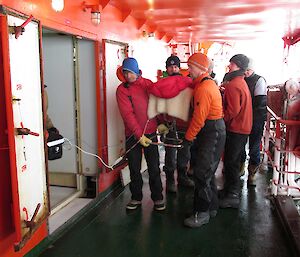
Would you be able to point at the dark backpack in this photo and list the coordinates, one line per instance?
(54, 143)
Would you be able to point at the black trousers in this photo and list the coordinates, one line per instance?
(209, 146)
(254, 142)
(234, 146)
(175, 158)
(134, 162)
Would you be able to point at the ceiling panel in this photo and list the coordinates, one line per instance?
(196, 20)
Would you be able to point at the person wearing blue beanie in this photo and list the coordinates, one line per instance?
(132, 98)
(131, 64)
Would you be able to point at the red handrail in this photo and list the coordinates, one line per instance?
(286, 122)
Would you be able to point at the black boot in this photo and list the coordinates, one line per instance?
(197, 219)
(170, 182)
(231, 200)
(184, 180)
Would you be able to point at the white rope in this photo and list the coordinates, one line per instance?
(88, 153)
(111, 167)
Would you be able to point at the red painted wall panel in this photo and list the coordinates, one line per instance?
(6, 224)
(6, 245)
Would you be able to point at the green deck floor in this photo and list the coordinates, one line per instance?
(253, 230)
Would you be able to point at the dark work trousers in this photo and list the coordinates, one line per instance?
(210, 143)
(254, 142)
(193, 156)
(174, 157)
(234, 146)
(134, 162)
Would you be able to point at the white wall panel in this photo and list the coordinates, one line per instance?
(87, 94)
(59, 78)
(114, 54)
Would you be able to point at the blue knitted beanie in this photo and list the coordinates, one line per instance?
(130, 64)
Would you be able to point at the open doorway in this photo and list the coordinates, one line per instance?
(69, 76)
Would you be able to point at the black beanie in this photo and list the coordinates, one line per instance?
(241, 60)
(173, 60)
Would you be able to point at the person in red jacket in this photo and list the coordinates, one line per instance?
(207, 130)
(238, 120)
(132, 97)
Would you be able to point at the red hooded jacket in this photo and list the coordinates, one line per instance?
(133, 105)
(133, 102)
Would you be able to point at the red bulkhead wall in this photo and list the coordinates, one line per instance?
(6, 224)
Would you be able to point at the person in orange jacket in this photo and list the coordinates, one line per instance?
(238, 120)
(207, 131)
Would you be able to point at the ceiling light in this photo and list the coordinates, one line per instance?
(95, 12)
(57, 5)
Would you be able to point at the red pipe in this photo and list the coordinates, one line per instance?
(286, 186)
(286, 122)
(27, 21)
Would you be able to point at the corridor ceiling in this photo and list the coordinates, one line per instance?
(213, 20)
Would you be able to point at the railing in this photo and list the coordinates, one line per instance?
(284, 161)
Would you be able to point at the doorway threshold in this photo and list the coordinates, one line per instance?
(66, 210)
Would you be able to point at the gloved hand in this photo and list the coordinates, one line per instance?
(163, 129)
(145, 141)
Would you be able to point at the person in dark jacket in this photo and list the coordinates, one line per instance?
(176, 130)
(207, 131)
(258, 90)
(132, 97)
(238, 119)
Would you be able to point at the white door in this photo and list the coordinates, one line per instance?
(28, 171)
